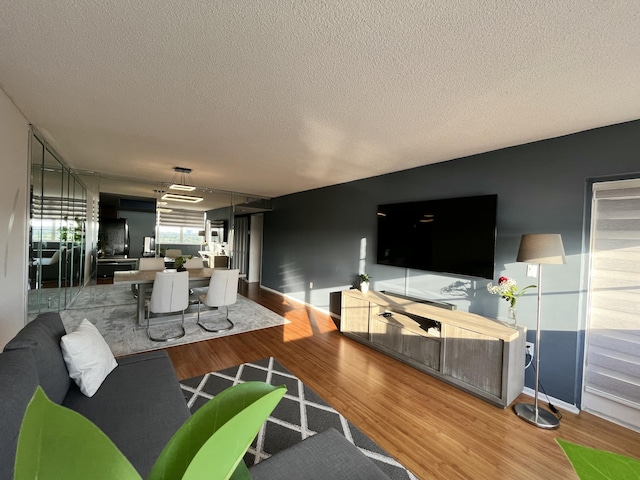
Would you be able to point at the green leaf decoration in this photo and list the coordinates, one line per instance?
(593, 464)
(56, 442)
(241, 473)
(213, 441)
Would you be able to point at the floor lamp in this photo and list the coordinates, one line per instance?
(539, 248)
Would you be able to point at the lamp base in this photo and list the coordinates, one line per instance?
(540, 417)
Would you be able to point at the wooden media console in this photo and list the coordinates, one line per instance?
(482, 356)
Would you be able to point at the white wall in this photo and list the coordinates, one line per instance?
(93, 196)
(14, 195)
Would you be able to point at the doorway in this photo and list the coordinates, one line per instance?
(247, 255)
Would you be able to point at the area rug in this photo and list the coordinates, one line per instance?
(300, 414)
(112, 309)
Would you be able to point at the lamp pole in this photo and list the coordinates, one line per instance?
(548, 249)
(538, 340)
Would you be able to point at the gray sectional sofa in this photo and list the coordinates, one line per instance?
(139, 407)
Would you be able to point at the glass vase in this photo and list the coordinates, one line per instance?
(512, 320)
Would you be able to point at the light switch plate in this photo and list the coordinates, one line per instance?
(532, 271)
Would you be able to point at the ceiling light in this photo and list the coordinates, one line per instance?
(164, 210)
(181, 174)
(181, 198)
(184, 188)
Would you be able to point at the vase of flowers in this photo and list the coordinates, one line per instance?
(507, 288)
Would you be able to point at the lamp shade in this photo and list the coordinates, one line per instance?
(541, 248)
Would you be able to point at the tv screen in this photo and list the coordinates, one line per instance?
(455, 235)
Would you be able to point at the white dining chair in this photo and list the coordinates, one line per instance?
(195, 262)
(147, 263)
(173, 253)
(170, 294)
(191, 264)
(222, 292)
(151, 263)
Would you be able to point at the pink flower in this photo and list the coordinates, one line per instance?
(508, 289)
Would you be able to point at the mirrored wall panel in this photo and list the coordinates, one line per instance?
(57, 242)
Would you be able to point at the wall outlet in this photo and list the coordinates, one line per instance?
(530, 349)
(310, 285)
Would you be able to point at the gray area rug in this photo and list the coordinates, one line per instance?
(112, 309)
(300, 414)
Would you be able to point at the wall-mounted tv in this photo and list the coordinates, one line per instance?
(454, 235)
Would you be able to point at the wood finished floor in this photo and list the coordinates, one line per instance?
(435, 430)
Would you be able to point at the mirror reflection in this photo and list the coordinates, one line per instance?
(85, 226)
(56, 233)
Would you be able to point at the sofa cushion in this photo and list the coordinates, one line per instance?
(87, 356)
(42, 336)
(18, 382)
(139, 407)
(324, 456)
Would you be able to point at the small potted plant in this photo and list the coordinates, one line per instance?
(180, 261)
(364, 282)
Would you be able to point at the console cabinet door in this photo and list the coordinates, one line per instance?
(421, 349)
(354, 317)
(474, 358)
(390, 333)
(384, 332)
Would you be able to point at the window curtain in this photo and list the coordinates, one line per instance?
(612, 364)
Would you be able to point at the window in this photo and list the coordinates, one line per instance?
(180, 227)
(611, 386)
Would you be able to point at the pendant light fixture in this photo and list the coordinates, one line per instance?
(181, 182)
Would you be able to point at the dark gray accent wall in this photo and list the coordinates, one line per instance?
(315, 242)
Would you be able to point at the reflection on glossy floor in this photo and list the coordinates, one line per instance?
(434, 429)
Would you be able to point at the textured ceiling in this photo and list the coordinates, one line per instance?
(275, 97)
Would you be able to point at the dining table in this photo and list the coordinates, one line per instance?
(198, 277)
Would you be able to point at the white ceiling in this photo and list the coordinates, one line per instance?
(275, 97)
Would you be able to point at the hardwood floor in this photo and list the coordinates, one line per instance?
(435, 430)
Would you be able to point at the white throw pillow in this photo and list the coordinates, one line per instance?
(88, 357)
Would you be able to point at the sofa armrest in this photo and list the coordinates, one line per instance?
(42, 337)
(324, 456)
(18, 382)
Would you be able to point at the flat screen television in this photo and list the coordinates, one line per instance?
(454, 235)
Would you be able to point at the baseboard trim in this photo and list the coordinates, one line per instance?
(542, 399)
(308, 305)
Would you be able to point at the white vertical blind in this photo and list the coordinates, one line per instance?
(182, 218)
(57, 207)
(612, 363)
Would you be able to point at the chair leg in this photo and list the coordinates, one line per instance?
(165, 339)
(209, 329)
